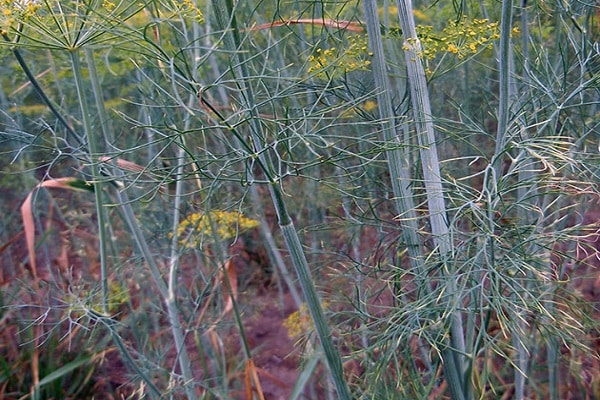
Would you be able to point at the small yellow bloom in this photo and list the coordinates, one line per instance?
(300, 322)
(220, 225)
(452, 49)
(369, 105)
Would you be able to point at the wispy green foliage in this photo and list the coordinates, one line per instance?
(430, 172)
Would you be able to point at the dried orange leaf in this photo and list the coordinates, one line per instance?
(252, 376)
(124, 164)
(27, 212)
(229, 284)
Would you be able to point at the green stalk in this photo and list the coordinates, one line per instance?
(130, 218)
(271, 247)
(94, 153)
(454, 355)
(504, 84)
(397, 159)
(103, 119)
(226, 22)
(527, 193)
(171, 298)
(310, 293)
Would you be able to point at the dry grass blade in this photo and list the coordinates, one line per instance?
(3, 278)
(228, 278)
(10, 241)
(28, 83)
(252, 377)
(27, 211)
(126, 165)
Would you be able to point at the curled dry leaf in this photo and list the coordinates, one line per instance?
(69, 183)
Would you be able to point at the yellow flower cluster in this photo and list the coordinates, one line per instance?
(369, 105)
(459, 38)
(354, 57)
(12, 11)
(299, 322)
(117, 296)
(81, 301)
(108, 5)
(197, 227)
(188, 9)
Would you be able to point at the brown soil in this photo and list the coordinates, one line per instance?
(278, 358)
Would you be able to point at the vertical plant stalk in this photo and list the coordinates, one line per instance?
(172, 311)
(272, 250)
(95, 151)
(398, 159)
(503, 84)
(525, 194)
(454, 355)
(224, 13)
(529, 193)
(310, 293)
(171, 298)
(102, 143)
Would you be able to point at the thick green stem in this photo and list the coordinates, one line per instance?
(225, 17)
(171, 299)
(503, 84)
(454, 355)
(94, 149)
(167, 291)
(397, 158)
(107, 136)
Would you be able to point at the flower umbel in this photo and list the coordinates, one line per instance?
(354, 57)
(12, 11)
(299, 322)
(460, 38)
(198, 228)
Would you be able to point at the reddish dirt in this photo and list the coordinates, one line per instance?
(277, 358)
(272, 348)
